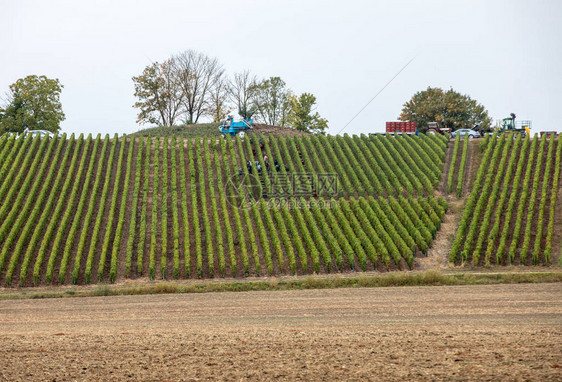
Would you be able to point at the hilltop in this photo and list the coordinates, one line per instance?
(212, 130)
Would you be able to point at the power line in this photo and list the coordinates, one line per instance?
(376, 95)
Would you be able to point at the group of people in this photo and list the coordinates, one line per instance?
(257, 164)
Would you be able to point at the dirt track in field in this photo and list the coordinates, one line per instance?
(496, 332)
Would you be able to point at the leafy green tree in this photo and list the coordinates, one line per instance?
(160, 95)
(12, 119)
(272, 101)
(450, 108)
(34, 104)
(303, 116)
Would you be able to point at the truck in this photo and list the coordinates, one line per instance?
(549, 134)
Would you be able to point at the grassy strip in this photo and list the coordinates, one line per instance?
(428, 278)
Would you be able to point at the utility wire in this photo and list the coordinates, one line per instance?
(376, 95)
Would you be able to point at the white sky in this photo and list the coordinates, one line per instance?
(505, 54)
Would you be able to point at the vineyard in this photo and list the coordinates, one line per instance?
(83, 209)
(509, 216)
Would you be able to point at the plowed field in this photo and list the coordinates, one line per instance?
(496, 332)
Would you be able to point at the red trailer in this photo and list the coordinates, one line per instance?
(549, 134)
(401, 127)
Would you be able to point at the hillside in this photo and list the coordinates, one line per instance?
(82, 210)
(211, 130)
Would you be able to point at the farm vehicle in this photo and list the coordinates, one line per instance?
(508, 125)
(228, 126)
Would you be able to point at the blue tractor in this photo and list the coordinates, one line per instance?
(228, 126)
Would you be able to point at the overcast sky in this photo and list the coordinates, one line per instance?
(505, 54)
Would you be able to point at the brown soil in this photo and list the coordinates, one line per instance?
(499, 332)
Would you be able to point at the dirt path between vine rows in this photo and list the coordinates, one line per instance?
(495, 332)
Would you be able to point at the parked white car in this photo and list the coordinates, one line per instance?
(40, 133)
(463, 132)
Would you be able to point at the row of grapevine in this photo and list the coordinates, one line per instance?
(165, 204)
(322, 146)
(452, 164)
(240, 237)
(13, 222)
(490, 203)
(519, 151)
(135, 206)
(51, 230)
(246, 211)
(113, 209)
(47, 197)
(184, 210)
(76, 215)
(175, 212)
(28, 217)
(121, 218)
(553, 200)
(154, 211)
(218, 236)
(12, 166)
(20, 177)
(100, 213)
(82, 242)
(164, 210)
(419, 173)
(225, 217)
(364, 165)
(462, 167)
(513, 193)
(432, 170)
(470, 204)
(209, 239)
(141, 249)
(522, 202)
(526, 242)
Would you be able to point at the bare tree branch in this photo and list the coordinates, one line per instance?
(242, 89)
(197, 74)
